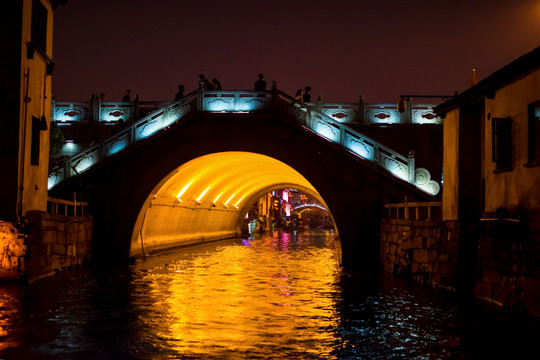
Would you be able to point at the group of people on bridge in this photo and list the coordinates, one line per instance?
(302, 95)
(260, 85)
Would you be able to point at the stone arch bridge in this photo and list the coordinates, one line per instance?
(189, 172)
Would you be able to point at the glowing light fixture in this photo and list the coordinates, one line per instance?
(202, 194)
(216, 199)
(183, 190)
(228, 200)
(238, 202)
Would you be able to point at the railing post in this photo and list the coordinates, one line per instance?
(410, 166)
(408, 112)
(274, 94)
(341, 135)
(406, 209)
(376, 154)
(200, 98)
(101, 152)
(361, 109)
(132, 134)
(67, 169)
(96, 108)
(91, 108)
(236, 100)
(319, 104)
(136, 108)
(74, 204)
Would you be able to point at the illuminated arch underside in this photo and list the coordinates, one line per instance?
(207, 199)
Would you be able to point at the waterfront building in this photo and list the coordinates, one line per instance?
(491, 166)
(25, 105)
(492, 145)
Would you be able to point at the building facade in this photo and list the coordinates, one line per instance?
(491, 167)
(25, 105)
(492, 145)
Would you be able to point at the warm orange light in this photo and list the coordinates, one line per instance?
(194, 298)
(233, 177)
(202, 194)
(183, 190)
(217, 198)
(238, 202)
(227, 202)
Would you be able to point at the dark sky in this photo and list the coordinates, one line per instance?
(341, 48)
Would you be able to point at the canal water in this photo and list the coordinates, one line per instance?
(279, 296)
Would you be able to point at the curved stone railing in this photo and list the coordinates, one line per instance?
(358, 113)
(361, 113)
(360, 145)
(98, 111)
(249, 101)
(142, 129)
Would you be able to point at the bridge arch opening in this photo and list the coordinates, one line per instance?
(208, 198)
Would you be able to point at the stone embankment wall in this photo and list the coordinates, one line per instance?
(12, 251)
(507, 258)
(424, 250)
(53, 243)
(508, 271)
(61, 243)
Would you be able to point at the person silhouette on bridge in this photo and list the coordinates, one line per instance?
(299, 97)
(180, 93)
(127, 97)
(307, 94)
(204, 83)
(260, 85)
(216, 85)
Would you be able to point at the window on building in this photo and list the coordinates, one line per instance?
(534, 132)
(39, 26)
(502, 143)
(34, 147)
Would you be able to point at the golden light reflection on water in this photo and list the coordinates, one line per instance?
(9, 312)
(273, 292)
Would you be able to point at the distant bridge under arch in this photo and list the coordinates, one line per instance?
(196, 176)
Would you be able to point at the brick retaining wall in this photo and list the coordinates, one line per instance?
(62, 242)
(508, 258)
(425, 250)
(53, 243)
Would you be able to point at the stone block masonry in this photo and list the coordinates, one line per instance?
(507, 265)
(12, 252)
(424, 250)
(62, 243)
(508, 271)
(53, 243)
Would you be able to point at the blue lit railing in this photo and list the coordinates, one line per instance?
(378, 113)
(306, 115)
(360, 113)
(96, 110)
(358, 144)
(142, 129)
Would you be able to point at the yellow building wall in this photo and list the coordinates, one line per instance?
(35, 100)
(520, 187)
(450, 166)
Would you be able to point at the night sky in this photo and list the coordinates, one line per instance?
(341, 48)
